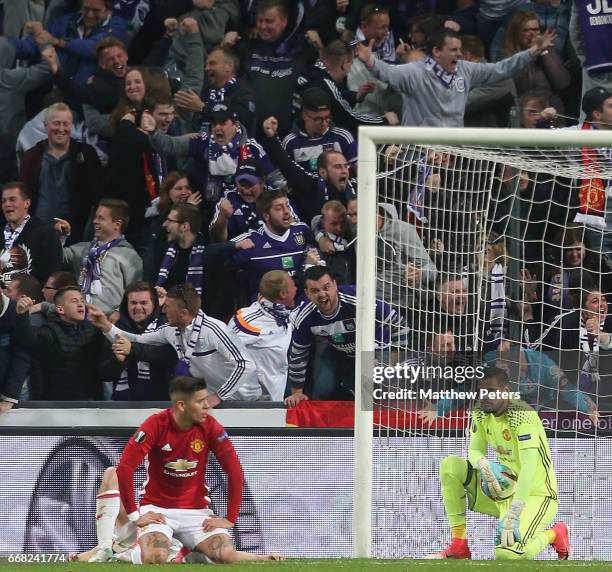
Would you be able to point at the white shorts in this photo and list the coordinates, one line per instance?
(184, 524)
(125, 537)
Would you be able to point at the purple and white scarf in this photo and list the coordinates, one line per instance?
(91, 273)
(279, 312)
(143, 368)
(10, 236)
(446, 77)
(185, 354)
(218, 95)
(195, 271)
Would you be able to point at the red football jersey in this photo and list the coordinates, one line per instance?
(176, 464)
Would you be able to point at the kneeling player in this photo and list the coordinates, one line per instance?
(515, 432)
(174, 504)
(117, 535)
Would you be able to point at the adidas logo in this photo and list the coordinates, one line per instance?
(267, 245)
(166, 447)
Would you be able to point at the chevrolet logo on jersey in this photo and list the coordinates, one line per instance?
(181, 465)
(502, 450)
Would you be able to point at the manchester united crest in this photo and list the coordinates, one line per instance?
(506, 435)
(197, 446)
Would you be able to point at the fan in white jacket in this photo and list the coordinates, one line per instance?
(265, 330)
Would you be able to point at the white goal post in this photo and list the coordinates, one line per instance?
(367, 167)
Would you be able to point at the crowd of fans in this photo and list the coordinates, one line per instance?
(179, 193)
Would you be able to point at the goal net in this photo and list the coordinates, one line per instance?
(488, 244)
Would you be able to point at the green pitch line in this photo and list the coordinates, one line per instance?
(344, 565)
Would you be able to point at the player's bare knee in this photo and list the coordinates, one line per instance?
(109, 479)
(227, 555)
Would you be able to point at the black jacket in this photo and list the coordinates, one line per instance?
(103, 92)
(15, 361)
(36, 251)
(69, 356)
(161, 359)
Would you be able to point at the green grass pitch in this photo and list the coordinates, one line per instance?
(344, 565)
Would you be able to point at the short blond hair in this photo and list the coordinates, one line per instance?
(273, 283)
(56, 107)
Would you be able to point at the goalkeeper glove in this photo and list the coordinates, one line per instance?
(508, 529)
(492, 475)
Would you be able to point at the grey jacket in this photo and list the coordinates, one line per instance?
(14, 85)
(398, 244)
(427, 101)
(120, 266)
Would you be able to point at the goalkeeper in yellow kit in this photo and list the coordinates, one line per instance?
(514, 431)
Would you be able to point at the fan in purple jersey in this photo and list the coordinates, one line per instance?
(280, 244)
(331, 316)
(235, 213)
(315, 134)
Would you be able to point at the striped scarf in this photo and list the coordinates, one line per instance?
(143, 368)
(91, 272)
(498, 301)
(195, 272)
(589, 347)
(185, 354)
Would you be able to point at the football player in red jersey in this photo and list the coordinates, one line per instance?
(174, 502)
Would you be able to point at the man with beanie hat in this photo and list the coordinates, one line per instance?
(316, 133)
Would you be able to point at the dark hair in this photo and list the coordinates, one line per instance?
(171, 179)
(119, 209)
(187, 295)
(264, 5)
(190, 214)
(512, 44)
(265, 200)
(108, 3)
(438, 38)
(28, 286)
(474, 45)
(124, 105)
(316, 273)
(141, 286)
(59, 294)
(336, 52)
(228, 54)
(369, 10)
(445, 279)
(426, 24)
(186, 385)
(25, 194)
(322, 159)
(61, 279)
(108, 42)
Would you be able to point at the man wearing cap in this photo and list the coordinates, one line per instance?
(235, 213)
(311, 191)
(597, 106)
(216, 153)
(314, 133)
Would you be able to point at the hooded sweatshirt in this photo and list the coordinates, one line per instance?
(398, 244)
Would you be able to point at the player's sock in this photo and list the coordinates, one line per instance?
(561, 542)
(136, 555)
(453, 473)
(459, 532)
(108, 505)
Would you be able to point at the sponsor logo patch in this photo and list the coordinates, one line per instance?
(140, 436)
(525, 437)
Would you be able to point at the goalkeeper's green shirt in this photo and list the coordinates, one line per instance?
(517, 429)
